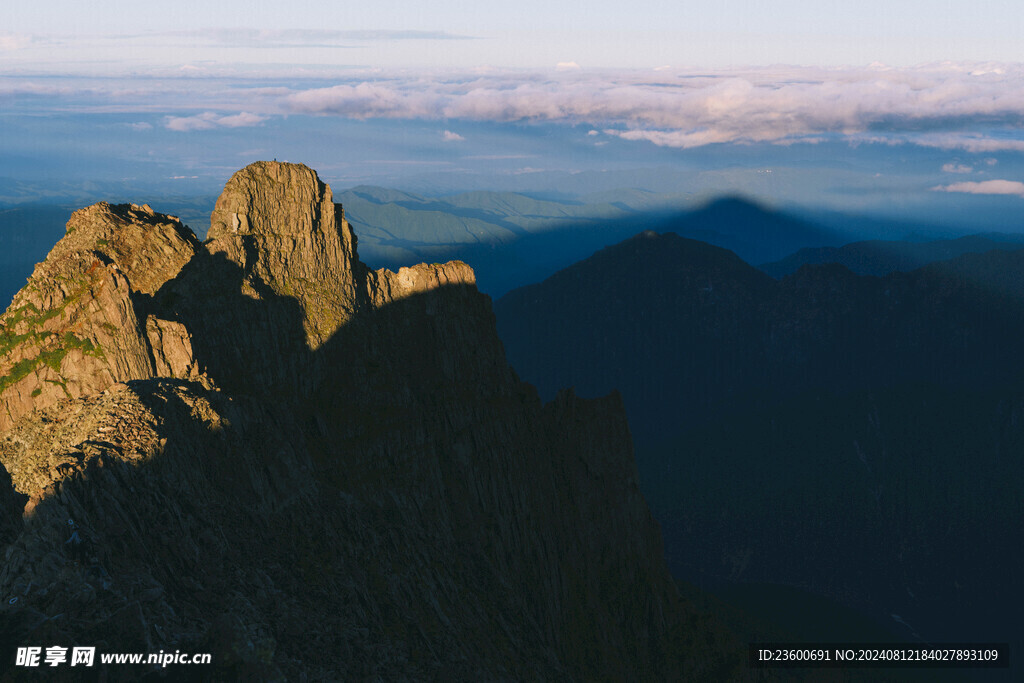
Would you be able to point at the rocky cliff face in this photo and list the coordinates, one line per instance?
(82, 322)
(259, 448)
(279, 225)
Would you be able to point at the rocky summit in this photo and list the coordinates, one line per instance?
(259, 448)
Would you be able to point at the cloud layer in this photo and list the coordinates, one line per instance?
(210, 121)
(14, 41)
(1011, 187)
(947, 106)
(974, 108)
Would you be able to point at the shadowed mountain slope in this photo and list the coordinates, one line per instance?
(878, 257)
(855, 437)
(756, 233)
(257, 447)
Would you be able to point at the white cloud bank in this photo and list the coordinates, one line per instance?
(947, 106)
(1012, 187)
(449, 136)
(971, 108)
(210, 121)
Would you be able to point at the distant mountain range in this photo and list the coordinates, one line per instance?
(513, 239)
(697, 308)
(509, 239)
(754, 232)
(879, 257)
(857, 437)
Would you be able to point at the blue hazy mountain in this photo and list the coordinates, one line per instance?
(852, 436)
(881, 257)
(511, 239)
(754, 232)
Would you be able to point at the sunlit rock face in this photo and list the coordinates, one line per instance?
(82, 323)
(259, 448)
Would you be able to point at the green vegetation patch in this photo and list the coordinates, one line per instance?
(52, 358)
(60, 383)
(49, 315)
(19, 314)
(9, 340)
(70, 341)
(20, 371)
(34, 319)
(31, 319)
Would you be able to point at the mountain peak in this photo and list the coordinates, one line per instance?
(149, 248)
(127, 292)
(667, 252)
(278, 223)
(278, 437)
(78, 326)
(272, 197)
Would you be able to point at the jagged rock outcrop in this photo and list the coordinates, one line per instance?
(278, 223)
(327, 472)
(80, 324)
(385, 286)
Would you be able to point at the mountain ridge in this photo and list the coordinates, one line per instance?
(850, 435)
(258, 447)
(878, 257)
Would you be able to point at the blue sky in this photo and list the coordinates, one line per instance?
(847, 105)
